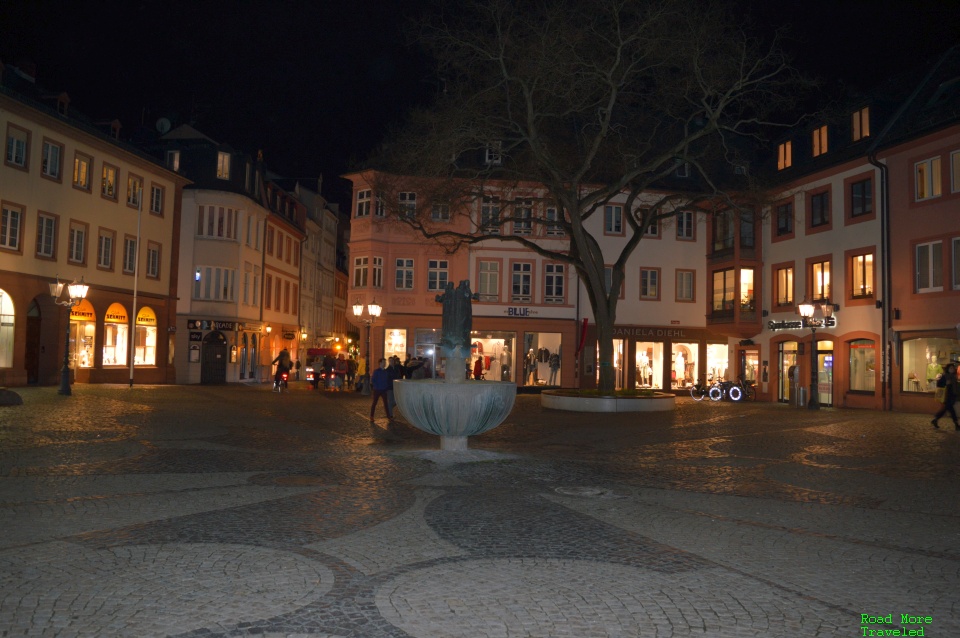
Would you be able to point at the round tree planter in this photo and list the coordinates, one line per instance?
(571, 402)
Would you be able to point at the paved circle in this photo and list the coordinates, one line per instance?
(136, 589)
(584, 599)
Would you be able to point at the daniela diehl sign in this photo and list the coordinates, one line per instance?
(798, 325)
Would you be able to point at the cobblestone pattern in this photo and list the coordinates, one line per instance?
(233, 511)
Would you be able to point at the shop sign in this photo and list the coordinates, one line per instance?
(196, 336)
(651, 333)
(207, 324)
(289, 335)
(798, 325)
(520, 311)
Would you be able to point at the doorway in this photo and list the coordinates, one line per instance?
(213, 362)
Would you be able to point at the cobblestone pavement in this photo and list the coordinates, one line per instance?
(234, 511)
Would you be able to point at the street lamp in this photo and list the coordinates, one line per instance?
(373, 313)
(76, 292)
(807, 309)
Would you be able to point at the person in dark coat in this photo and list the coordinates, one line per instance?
(951, 393)
(380, 383)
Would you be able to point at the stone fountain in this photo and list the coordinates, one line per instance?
(455, 407)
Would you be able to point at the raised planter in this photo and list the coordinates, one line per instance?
(572, 402)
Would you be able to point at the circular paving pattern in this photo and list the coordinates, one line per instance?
(64, 587)
(585, 599)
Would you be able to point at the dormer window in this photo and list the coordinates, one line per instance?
(785, 155)
(861, 124)
(493, 154)
(819, 141)
(223, 165)
(173, 160)
(682, 170)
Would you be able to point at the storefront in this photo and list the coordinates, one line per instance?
(660, 358)
(219, 351)
(921, 356)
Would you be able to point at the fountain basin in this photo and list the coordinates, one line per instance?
(454, 411)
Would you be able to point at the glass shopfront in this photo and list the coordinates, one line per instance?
(788, 371)
(145, 344)
(83, 328)
(649, 362)
(863, 357)
(825, 372)
(495, 351)
(684, 370)
(717, 360)
(395, 344)
(541, 358)
(923, 361)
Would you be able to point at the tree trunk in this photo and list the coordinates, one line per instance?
(608, 374)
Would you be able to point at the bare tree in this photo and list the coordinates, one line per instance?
(592, 100)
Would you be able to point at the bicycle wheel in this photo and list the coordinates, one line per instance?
(735, 393)
(716, 393)
(697, 393)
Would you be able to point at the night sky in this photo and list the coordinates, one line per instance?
(314, 84)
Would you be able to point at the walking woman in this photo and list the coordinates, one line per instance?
(951, 392)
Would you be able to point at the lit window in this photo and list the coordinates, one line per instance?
(927, 177)
(820, 280)
(785, 286)
(819, 141)
(223, 165)
(81, 171)
(108, 184)
(861, 124)
(134, 190)
(173, 160)
(785, 155)
(861, 269)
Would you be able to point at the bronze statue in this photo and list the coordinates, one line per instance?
(457, 318)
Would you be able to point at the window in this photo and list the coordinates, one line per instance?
(18, 144)
(493, 154)
(378, 272)
(267, 289)
(747, 234)
(554, 225)
(955, 171)
(653, 228)
(223, 165)
(682, 170)
(153, 263)
(819, 141)
(723, 291)
(490, 215)
(685, 225)
(861, 271)
(408, 204)
(129, 255)
(723, 229)
(861, 124)
(50, 162)
(81, 171)
(173, 160)
(404, 274)
(361, 266)
(380, 209)
(784, 283)
(216, 284)
(861, 198)
(820, 280)
(613, 220)
(608, 281)
(522, 282)
(108, 183)
(820, 209)
(956, 263)
(748, 302)
(156, 199)
(269, 240)
(553, 283)
(11, 220)
(436, 274)
(785, 219)
(134, 190)
(489, 275)
(929, 267)
(685, 291)
(105, 249)
(784, 155)
(927, 177)
(363, 203)
(223, 223)
(440, 212)
(46, 236)
(523, 217)
(649, 283)
(77, 249)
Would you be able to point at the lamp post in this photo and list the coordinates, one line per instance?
(76, 292)
(373, 313)
(807, 309)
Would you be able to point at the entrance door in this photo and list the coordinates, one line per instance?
(243, 358)
(213, 360)
(825, 373)
(788, 371)
(31, 359)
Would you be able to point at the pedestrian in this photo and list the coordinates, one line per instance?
(380, 381)
(948, 391)
(297, 367)
(340, 372)
(283, 364)
(394, 372)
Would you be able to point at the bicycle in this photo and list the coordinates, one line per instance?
(699, 391)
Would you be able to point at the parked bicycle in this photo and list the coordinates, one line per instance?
(738, 390)
(699, 391)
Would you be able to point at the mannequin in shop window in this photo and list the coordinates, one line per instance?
(933, 372)
(531, 367)
(679, 368)
(554, 368)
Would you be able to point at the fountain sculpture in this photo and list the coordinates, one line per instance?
(455, 407)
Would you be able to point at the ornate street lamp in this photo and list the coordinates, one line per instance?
(807, 310)
(373, 313)
(76, 292)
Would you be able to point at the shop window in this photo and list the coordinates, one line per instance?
(649, 362)
(717, 361)
(684, 370)
(541, 358)
(395, 343)
(495, 350)
(923, 361)
(145, 342)
(116, 335)
(929, 267)
(863, 361)
(83, 327)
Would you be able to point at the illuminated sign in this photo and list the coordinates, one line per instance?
(830, 322)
